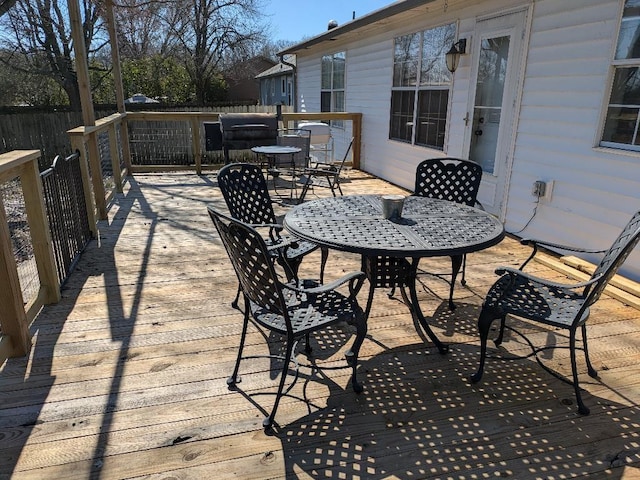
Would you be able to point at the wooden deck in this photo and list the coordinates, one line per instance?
(126, 378)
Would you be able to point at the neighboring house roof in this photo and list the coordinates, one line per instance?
(278, 69)
(396, 8)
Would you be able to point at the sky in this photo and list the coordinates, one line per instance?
(297, 19)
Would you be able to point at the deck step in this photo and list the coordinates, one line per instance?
(620, 288)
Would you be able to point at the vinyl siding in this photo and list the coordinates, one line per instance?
(564, 90)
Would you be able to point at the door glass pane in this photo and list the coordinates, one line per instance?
(492, 72)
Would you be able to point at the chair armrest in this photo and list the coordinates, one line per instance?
(533, 242)
(320, 171)
(513, 272)
(350, 277)
(274, 230)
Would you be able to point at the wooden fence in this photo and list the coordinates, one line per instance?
(47, 131)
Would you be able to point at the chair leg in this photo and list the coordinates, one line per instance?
(463, 280)
(234, 378)
(291, 268)
(323, 262)
(268, 422)
(592, 371)
(486, 318)
(305, 188)
(582, 408)
(500, 336)
(352, 354)
(456, 263)
(234, 304)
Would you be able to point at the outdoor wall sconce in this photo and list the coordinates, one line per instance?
(452, 57)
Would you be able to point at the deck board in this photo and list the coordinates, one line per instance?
(127, 376)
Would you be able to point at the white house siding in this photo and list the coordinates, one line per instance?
(565, 86)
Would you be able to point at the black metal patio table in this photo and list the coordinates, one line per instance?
(392, 248)
(271, 154)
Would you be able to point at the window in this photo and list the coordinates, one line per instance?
(622, 124)
(421, 82)
(332, 86)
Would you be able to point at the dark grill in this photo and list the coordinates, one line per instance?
(241, 131)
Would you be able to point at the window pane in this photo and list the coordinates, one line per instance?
(432, 118)
(621, 125)
(325, 101)
(338, 101)
(326, 72)
(626, 87)
(629, 37)
(405, 61)
(338, 70)
(492, 71)
(436, 44)
(401, 115)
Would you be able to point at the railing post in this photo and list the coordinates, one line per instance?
(96, 175)
(115, 157)
(77, 144)
(124, 140)
(13, 319)
(357, 142)
(197, 149)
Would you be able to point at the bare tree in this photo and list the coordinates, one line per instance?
(141, 31)
(210, 32)
(36, 36)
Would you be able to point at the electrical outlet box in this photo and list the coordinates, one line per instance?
(539, 188)
(542, 189)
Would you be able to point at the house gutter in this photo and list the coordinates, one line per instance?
(295, 80)
(373, 17)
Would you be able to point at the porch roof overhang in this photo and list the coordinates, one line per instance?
(396, 8)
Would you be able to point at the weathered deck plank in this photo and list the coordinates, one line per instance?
(127, 374)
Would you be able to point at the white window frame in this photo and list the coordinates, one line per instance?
(620, 63)
(441, 82)
(334, 91)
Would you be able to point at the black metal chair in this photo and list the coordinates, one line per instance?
(286, 309)
(324, 175)
(452, 179)
(245, 192)
(293, 165)
(564, 306)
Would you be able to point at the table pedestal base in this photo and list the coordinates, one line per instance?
(390, 272)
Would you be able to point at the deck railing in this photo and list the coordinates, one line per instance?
(20, 167)
(137, 142)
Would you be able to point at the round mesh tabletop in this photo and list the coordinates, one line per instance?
(428, 227)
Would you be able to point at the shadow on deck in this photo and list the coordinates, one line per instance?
(126, 378)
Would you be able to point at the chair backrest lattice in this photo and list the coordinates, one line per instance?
(615, 257)
(245, 192)
(452, 179)
(296, 138)
(248, 254)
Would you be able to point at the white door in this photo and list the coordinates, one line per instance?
(497, 51)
